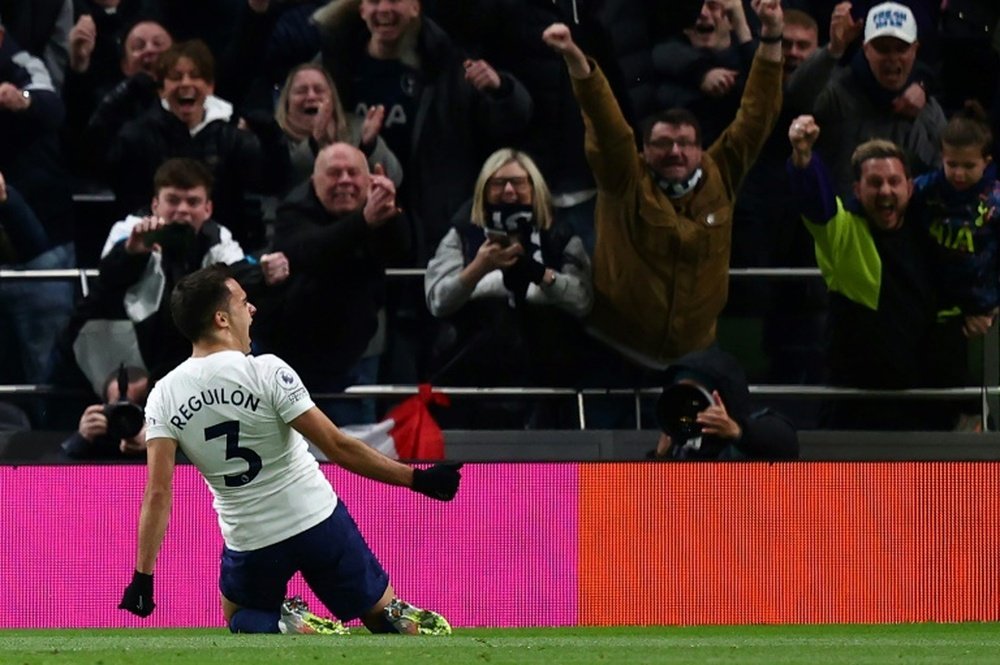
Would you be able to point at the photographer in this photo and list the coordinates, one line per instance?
(114, 429)
(705, 414)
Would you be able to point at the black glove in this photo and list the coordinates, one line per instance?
(533, 269)
(515, 280)
(138, 596)
(438, 482)
(524, 271)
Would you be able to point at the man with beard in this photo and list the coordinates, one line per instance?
(876, 97)
(878, 276)
(664, 215)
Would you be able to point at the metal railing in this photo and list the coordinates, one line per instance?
(989, 392)
(781, 391)
(84, 275)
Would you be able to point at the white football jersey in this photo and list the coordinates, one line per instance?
(229, 413)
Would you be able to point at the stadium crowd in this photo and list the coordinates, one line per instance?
(575, 176)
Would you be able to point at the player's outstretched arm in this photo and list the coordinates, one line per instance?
(439, 482)
(153, 519)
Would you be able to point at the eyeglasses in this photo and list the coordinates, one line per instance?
(520, 183)
(668, 144)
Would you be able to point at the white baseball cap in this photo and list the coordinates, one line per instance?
(891, 19)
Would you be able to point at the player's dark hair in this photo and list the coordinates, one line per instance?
(969, 127)
(183, 173)
(196, 299)
(194, 50)
(877, 149)
(675, 116)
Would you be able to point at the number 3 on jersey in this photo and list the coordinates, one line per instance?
(231, 430)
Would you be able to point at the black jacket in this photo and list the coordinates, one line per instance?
(455, 127)
(160, 343)
(82, 91)
(30, 156)
(765, 434)
(328, 308)
(232, 155)
(555, 136)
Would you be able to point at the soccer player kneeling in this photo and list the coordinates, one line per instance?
(241, 421)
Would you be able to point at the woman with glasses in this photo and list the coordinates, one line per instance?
(510, 284)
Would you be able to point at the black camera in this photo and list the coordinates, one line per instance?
(171, 237)
(125, 418)
(678, 408)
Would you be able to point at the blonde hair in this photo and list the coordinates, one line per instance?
(281, 112)
(541, 200)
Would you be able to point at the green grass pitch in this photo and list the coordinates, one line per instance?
(912, 644)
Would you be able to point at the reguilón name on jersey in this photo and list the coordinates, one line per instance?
(210, 397)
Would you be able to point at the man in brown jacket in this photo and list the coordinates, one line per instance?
(664, 215)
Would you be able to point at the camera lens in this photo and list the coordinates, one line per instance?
(125, 420)
(678, 408)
